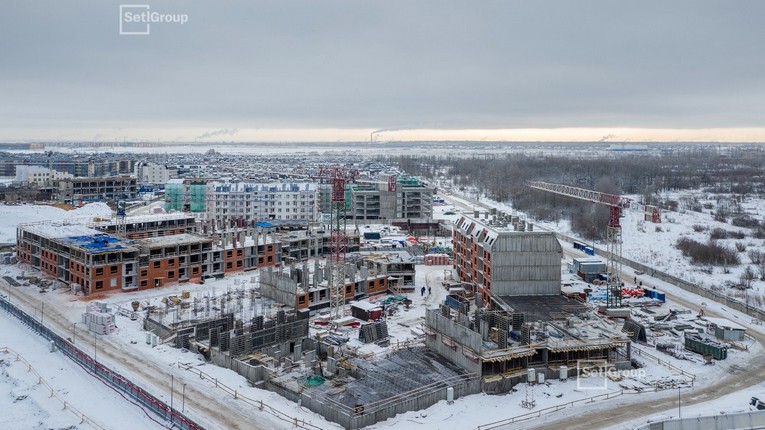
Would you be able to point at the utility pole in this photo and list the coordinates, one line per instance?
(172, 382)
(42, 312)
(678, 402)
(95, 350)
(183, 402)
(74, 332)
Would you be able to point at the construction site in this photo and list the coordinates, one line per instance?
(359, 336)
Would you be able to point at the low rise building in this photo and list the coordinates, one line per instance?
(155, 253)
(391, 197)
(82, 190)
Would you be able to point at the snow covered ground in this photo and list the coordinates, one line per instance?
(12, 215)
(33, 397)
(466, 412)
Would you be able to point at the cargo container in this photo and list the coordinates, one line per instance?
(366, 311)
(705, 346)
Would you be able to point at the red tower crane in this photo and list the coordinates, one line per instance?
(337, 176)
(614, 231)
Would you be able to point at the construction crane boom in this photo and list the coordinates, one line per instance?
(615, 205)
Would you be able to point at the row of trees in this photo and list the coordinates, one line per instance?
(737, 171)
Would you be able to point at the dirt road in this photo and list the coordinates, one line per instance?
(643, 405)
(208, 408)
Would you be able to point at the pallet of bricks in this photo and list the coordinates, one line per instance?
(99, 318)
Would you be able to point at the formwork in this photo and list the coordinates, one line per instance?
(373, 391)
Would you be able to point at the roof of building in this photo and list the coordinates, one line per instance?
(59, 229)
(97, 243)
(543, 308)
(486, 231)
(175, 239)
(148, 218)
(724, 323)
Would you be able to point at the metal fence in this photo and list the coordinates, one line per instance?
(132, 391)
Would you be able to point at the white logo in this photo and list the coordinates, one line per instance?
(136, 19)
(595, 374)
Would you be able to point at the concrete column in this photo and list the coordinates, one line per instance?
(298, 353)
(331, 365)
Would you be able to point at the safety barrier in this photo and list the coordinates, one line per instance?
(121, 384)
(664, 363)
(255, 403)
(549, 410)
(742, 420)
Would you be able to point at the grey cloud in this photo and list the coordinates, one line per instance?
(392, 64)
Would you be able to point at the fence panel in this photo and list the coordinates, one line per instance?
(102, 372)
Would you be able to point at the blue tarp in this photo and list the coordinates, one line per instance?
(263, 224)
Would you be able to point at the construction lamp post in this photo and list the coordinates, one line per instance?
(74, 332)
(172, 383)
(183, 402)
(678, 402)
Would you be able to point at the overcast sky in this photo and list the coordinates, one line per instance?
(241, 66)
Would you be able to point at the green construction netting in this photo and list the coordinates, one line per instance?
(396, 298)
(314, 381)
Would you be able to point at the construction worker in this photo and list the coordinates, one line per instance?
(422, 291)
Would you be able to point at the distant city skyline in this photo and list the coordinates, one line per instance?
(336, 70)
(609, 135)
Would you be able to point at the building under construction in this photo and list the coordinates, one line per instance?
(268, 344)
(504, 256)
(305, 287)
(138, 253)
(511, 316)
(549, 334)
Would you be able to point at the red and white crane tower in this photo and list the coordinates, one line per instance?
(614, 230)
(337, 176)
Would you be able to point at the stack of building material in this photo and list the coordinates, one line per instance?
(437, 260)
(374, 332)
(99, 318)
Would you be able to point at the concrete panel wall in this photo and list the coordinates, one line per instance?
(346, 418)
(526, 264)
(157, 328)
(456, 333)
(744, 420)
(278, 287)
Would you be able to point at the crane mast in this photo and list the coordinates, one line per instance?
(337, 178)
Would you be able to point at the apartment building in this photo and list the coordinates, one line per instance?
(251, 202)
(499, 258)
(80, 190)
(37, 175)
(158, 252)
(185, 195)
(151, 173)
(391, 197)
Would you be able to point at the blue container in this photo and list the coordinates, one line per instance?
(588, 250)
(661, 296)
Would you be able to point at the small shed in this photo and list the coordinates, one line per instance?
(724, 329)
(366, 311)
